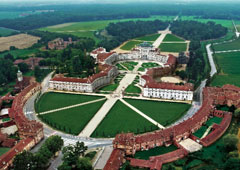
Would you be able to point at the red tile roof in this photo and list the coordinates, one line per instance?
(103, 56)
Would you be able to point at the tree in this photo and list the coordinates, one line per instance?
(84, 164)
(23, 161)
(9, 56)
(230, 142)
(12, 48)
(237, 113)
(232, 163)
(23, 67)
(54, 143)
(37, 71)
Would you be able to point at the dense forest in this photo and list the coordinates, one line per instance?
(123, 31)
(91, 12)
(197, 32)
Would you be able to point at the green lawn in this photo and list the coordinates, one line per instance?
(133, 89)
(129, 65)
(131, 44)
(164, 113)
(225, 23)
(171, 37)
(110, 87)
(154, 152)
(20, 53)
(149, 65)
(152, 37)
(120, 67)
(235, 45)
(173, 47)
(5, 31)
(51, 100)
(3, 150)
(72, 120)
(122, 119)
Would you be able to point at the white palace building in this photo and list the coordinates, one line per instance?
(106, 61)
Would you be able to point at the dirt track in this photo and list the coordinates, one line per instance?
(19, 41)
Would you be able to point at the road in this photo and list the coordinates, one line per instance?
(211, 61)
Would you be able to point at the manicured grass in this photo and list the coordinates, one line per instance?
(6, 119)
(164, 113)
(173, 47)
(235, 45)
(152, 37)
(110, 87)
(213, 120)
(3, 150)
(133, 89)
(129, 65)
(154, 152)
(122, 119)
(200, 132)
(51, 100)
(5, 31)
(149, 65)
(141, 69)
(225, 23)
(120, 67)
(20, 53)
(72, 120)
(131, 44)
(171, 37)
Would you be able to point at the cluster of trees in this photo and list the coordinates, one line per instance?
(197, 32)
(40, 160)
(7, 71)
(123, 31)
(74, 158)
(74, 60)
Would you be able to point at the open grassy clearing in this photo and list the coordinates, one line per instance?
(20, 53)
(72, 120)
(228, 68)
(235, 45)
(6, 31)
(3, 150)
(130, 44)
(225, 23)
(173, 47)
(154, 152)
(164, 113)
(171, 37)
(122, 119)
(152, 37)
(51, 100)
(88, 29)
(19, 41)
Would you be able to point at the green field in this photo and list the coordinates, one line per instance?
(164, 113)
(171, 37)
(173, 47)
(235, 45)
(225, 23)
(133, 89)
(152, 37)
(122, 119)
(6, 32)
(154, 152)
(3, 150)
(88, 29)
(110, 87)
(228, 67)
(51, 100)
(72, 120)
(130, 44)
(20, 53)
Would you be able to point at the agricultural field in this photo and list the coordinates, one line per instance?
(19, 41)
(164, 113)
(3, 150)
(15, 14)
(59, 100)
(6, 32)
(173, 47)
(130, 44)
(20, 53)
(122, 119)
(152, 37)
(234, 45)
(174, 38)
(88, 29)
(228, 68)
(72, 120)
(225, 23)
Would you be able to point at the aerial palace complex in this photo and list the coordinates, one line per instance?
(108, 72)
